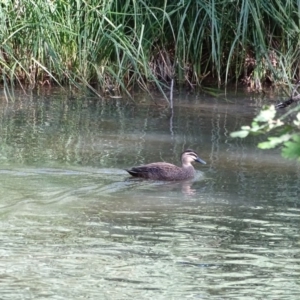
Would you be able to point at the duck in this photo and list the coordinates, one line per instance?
(295, 96)
(169, 172)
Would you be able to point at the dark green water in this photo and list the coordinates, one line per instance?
(73, 226)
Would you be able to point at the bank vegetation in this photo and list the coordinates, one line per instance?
(121, 44)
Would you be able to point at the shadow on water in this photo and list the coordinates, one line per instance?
(74, 224)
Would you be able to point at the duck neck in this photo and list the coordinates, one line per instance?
(187, 165)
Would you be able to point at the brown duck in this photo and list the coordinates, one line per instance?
(166, 171)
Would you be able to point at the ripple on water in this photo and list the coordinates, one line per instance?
(77, 233)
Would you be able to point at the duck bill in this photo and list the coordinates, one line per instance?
(201, 161)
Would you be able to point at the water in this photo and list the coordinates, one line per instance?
(75, 226)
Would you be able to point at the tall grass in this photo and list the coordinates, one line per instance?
(106, 44)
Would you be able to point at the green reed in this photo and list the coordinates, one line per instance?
(123, 44)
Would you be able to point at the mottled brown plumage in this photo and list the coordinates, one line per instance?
(166, 171)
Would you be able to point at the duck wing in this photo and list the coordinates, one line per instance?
(156, 171)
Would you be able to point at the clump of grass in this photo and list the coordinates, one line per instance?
(123, 44)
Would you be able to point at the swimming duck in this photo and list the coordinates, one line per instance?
(166, 171)
(295, 96)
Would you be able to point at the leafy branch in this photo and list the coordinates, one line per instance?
(286, 135)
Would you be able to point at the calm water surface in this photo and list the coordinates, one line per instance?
(74, 226)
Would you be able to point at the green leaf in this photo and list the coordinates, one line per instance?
(247, 128)
(268, 113)
(297, 122)
(240, 134)
(255, 127)
(291, 149)
(274, 141)
(254, 124)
